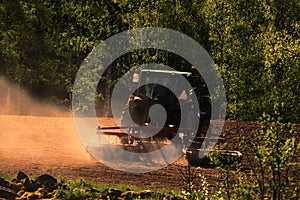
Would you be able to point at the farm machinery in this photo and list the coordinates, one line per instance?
(164, 105)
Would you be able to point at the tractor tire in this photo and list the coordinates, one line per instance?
(134, 117)
(194, 160)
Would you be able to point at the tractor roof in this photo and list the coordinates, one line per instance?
(171, 72)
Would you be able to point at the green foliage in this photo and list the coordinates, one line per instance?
(6, 177)
(226, 160)
(77, 189)
(196, 185)
(239, 35)
(83, 189)
(255, 45)
(274, 147)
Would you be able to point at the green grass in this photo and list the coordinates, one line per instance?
(83, 189)
(6, 177)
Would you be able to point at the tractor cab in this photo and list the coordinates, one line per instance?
(166, 88)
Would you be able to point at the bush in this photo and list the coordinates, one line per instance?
(273, 148)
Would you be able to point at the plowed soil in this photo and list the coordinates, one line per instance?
(37, 145)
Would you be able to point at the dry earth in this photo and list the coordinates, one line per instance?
(39, 145)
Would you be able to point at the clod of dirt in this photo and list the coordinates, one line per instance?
(132, 194)
(16, 186)
(30, 185)
(7, 193)
(111, 193)
(49, 182)
(22, 187)
(3, 182)
(21, 175)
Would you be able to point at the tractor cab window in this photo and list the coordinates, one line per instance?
(160, 92)
(163, 90)
(148, 90)
(154, 91)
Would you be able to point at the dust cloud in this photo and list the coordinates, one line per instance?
(34, 132)
(15, 100)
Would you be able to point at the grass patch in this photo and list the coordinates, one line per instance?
(6, 177)
(83, 189)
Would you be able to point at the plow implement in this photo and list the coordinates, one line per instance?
(192, 143)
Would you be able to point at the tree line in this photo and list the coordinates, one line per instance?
(254, 44)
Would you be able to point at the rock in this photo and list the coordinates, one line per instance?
(29, 195)
(145, 193)
(132, 194)
(111, 193)
(49, 182)
(16, 186)
(7, 193)
(30, 186)
(21, 175)
(3, 182)
(127, 195)
(41, 193)
(24, 188)
(46, 178)
(21, 192)
(93, 190)
(49, 195)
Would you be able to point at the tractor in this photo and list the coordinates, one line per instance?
(184, 97)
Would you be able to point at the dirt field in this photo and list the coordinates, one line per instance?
(38, 145)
